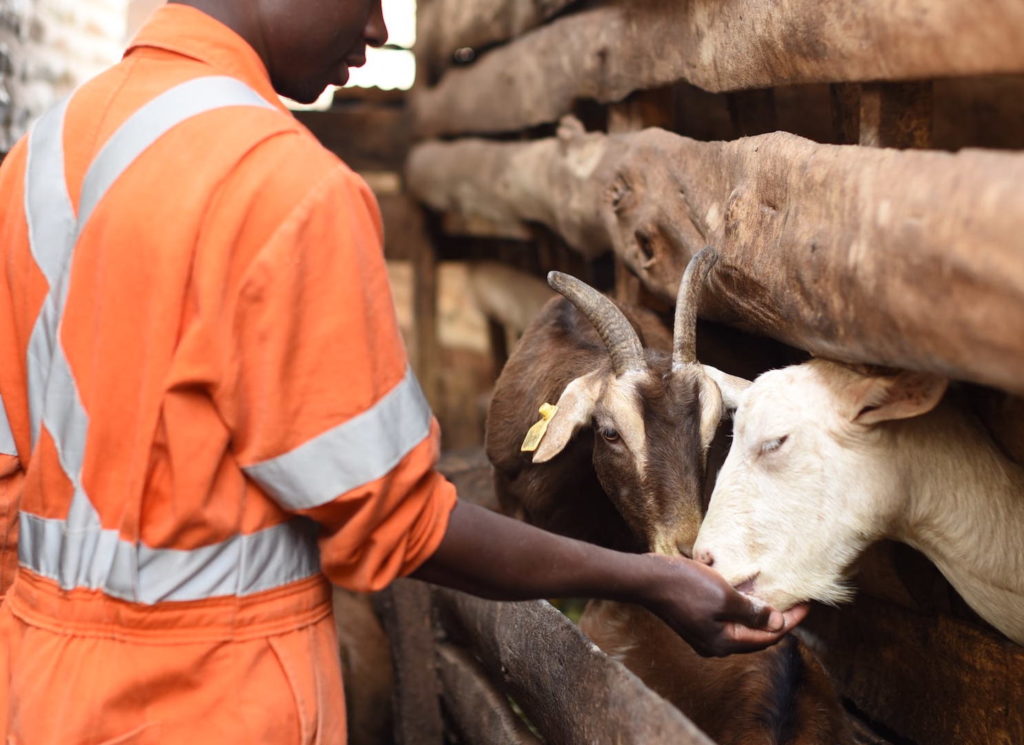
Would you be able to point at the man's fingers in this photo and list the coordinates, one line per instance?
(743, 637)
(757, 614)
(748, 639)
(795, 615)
(753, 613)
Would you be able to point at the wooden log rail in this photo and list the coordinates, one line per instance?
(608, 51)
(472, 656)
(567, 688)
(913, 259)
(445, 26)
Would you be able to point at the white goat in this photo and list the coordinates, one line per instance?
(826, 460)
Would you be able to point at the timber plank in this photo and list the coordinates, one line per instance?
(570, 691)
(608, 51)
(913, 259)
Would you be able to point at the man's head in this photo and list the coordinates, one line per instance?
(305, 44)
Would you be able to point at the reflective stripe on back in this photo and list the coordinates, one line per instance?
(51, 227)
(7, 446)
(78, 552)
(241, 565)
(356, 452)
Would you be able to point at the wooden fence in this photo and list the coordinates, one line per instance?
(858, 166)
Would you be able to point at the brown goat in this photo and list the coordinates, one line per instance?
(623, 465)
(622, 462)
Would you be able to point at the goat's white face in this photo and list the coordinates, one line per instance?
(800, 494)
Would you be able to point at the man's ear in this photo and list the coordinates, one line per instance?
(882, 398)
(575, 408)
(730, 386)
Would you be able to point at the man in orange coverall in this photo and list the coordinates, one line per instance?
(206, 411)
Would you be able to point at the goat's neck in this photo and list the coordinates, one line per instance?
(964, 511)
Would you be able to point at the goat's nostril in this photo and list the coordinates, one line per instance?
(705, 556)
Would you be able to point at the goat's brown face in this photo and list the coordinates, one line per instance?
(653, 474)
(649, 446)
(653, 416)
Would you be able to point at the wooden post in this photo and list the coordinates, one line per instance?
(405, 610)
(752, 112)
(895, 115)
(627, 284)
(407, 239)
(845, 112)
(424, 303)
(647, 108)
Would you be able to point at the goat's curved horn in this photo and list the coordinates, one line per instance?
(615, 331)
(684, 333)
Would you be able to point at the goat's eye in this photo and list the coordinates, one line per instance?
(770, 446)
(610, 434)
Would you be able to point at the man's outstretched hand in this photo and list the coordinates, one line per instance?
(710, 615)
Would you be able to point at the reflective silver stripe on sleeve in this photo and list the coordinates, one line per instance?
(354, 453)
(7, 446)
(242, 565)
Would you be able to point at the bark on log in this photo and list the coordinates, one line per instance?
(445, 26)
(606, 52)
(570, 691)
(904, 258)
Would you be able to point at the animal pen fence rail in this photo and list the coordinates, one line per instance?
(858, 168)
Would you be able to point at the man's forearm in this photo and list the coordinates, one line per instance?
(494, 556)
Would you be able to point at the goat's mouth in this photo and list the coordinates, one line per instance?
(668, 546)
(747, 586)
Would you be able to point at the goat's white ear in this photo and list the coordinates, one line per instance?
(575, 408)
(730, 386)
(907, 394)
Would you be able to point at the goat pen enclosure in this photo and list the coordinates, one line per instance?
(859, 168)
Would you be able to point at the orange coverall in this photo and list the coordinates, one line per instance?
(205, 408)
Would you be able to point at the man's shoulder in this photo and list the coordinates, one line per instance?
(295, 161)
(290, 176)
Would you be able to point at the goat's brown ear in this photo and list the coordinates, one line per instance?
(730, 386)
(907, 394)
(575, 408)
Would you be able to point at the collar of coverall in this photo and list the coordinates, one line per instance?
(187, 31)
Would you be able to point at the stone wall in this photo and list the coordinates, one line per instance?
(47, 47)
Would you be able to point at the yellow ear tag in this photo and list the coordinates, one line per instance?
(536, 432)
